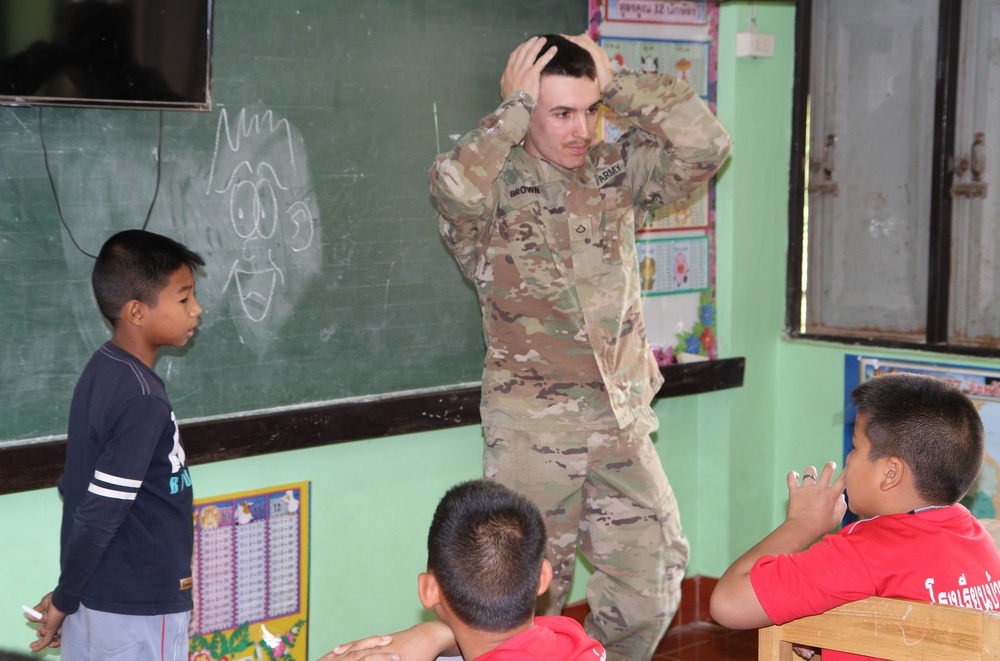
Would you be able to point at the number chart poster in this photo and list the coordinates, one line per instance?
(982, 387)
(251, 569)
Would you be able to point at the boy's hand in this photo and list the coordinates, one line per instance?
(373, 647)
(817, 504)
(523, 72)
(601, 60)
(815, 507)
(51, 624)
(422, 642)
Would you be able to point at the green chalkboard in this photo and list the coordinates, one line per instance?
(305, 188)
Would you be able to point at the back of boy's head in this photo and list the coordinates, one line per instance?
(136, 264)
(570, 59)
(485, 549)
(929, 424)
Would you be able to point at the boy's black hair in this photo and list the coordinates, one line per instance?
(928, 423)
(485, 548)
(570, 59)
(136, 264)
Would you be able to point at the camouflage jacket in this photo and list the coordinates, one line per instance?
(552, 253)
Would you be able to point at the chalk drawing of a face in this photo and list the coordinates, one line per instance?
(272, 244)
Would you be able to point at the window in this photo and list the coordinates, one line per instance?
(894, 212)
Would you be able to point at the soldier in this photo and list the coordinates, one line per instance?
(541, 217)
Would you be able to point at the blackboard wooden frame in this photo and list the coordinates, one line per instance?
(38, 466)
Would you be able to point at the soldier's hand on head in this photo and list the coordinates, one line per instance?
(601, 60)
(523, 72)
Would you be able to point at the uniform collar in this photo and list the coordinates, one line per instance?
(545, 171)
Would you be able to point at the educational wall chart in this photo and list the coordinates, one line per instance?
(676, 244)
(983, 388)
(688, 258)
(687, 60)
(251, 569)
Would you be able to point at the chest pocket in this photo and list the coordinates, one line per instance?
(619, 226)
(530, 257)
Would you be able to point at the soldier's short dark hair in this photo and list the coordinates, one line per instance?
(485, 548)
(928, 423)
(136, 264)
(570, 59)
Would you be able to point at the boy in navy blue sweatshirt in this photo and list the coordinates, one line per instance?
(125, 587)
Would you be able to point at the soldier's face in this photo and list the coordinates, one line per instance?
(564, 121)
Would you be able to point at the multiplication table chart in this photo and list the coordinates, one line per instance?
(251, 558)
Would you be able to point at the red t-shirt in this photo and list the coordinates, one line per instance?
(939, 555)
(553, 638)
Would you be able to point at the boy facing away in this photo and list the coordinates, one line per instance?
(486, 567)
(916, 450)
(125, 585)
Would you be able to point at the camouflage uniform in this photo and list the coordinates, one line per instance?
(569, 376)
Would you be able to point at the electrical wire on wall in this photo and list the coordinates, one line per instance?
(55, 194)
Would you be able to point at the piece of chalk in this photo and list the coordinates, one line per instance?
(32, 612)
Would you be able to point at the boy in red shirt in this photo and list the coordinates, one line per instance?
(916, 450)
(486, 567)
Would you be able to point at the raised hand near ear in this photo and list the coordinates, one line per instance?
(523, 72)
(817, 503)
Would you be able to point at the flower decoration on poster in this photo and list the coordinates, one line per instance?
(239, 646)
(699, 341)
(251, 565)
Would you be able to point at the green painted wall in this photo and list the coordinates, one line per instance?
(755, 97)
(726, 453)
(372, 502)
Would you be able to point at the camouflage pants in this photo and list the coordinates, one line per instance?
(604, 491)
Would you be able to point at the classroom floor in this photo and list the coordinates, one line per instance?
(692, 635)
(702, 641)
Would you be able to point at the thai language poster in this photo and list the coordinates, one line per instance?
(676, 244)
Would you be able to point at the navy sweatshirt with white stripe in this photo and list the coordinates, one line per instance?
(127, 533)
